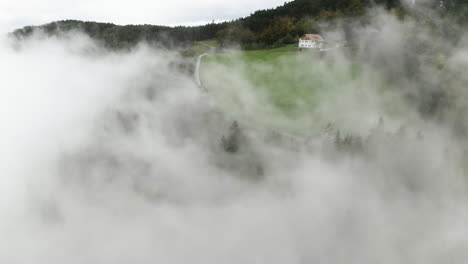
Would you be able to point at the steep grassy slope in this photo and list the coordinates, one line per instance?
(299, 92)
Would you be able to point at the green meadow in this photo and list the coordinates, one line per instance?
(300, 92)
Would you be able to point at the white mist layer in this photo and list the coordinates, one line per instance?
(115, 158)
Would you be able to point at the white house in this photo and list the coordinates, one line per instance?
(311, 41)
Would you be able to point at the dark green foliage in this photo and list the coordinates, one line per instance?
(264, 28)
(115, 36)
(271, 27)
(348, 143)
(231, 142)
(285, 24)
(235, 34)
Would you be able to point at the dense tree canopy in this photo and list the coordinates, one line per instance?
(269, 27)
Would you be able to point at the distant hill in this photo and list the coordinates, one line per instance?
(116, 36)
(264, 28)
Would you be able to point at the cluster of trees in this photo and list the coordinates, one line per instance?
(284, 24)
(118, 37)
(263, 28)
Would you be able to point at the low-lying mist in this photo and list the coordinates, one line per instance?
(119, 157)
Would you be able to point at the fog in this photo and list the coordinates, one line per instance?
(116, 157)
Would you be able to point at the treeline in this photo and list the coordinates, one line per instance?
(117, 37)
(284, 24)
(264, 28)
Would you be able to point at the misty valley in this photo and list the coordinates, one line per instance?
(232, 143)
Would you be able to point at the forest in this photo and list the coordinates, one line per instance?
(262, 29)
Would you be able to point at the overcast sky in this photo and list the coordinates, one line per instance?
(18, 13)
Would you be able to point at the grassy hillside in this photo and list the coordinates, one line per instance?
(299, 92)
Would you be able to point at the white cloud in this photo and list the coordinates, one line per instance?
(18, 13)
(115, 158)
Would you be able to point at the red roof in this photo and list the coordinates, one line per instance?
(312, 37)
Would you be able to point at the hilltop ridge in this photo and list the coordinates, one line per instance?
(263, 28)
